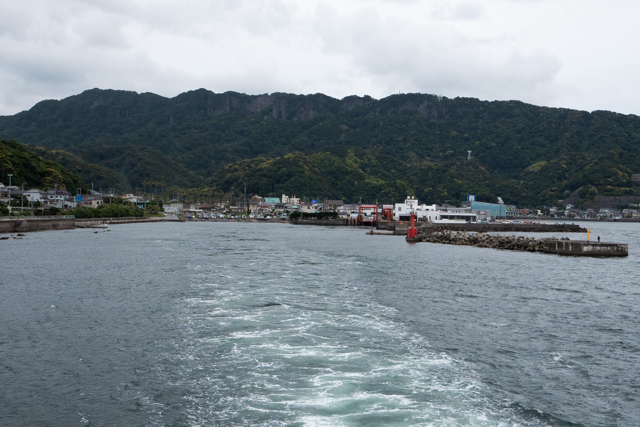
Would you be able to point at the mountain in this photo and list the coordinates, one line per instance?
(30, 169)
(526, 154)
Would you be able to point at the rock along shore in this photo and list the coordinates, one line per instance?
(482, 240)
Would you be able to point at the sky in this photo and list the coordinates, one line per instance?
(579, 54)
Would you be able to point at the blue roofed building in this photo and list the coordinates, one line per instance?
(272, 200)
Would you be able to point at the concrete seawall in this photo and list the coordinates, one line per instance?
(584, 248)
(91, 222)
(334, 222)
(27, 224)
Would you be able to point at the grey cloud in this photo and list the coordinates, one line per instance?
(339, 47)
(404, 56)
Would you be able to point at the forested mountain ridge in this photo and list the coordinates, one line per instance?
(524, 153)
(33, 171)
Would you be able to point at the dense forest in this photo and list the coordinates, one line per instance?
(32, 170)
(353, 148)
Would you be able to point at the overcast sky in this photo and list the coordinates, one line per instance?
(580, 54)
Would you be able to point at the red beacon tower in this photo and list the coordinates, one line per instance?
(412, 231)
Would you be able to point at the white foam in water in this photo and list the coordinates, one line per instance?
(271, 352)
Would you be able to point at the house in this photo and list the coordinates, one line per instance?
(132, 198)
(35, 195)
(59, 198)
(628, 213)
(279, 208)
(308, 208)
(90, 201)
(334, 204)
(635, 177)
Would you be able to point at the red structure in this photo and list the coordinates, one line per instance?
(372, 219)
(412, 231)
(387, 214)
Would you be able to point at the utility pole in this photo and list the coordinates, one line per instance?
(22, 199)
(10, 175)
(245, 198)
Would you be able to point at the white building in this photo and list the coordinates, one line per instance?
(132, 198)
(35, 195)
(292, 201)
(60, 199)
(172, 208)
(431, 213)
(403, 211)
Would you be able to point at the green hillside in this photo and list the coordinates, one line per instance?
(526, 154)
(33, 171)
(101, 176)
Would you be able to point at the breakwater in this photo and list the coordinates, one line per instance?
(552, 245)
(26, 224)
(508, 228)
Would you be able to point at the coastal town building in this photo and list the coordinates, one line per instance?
(90, 201)
(173, 208)
(291, 201)
(131, 198)
(403, 211)
(35, 195)
(60, 199)
(635, 177)
(494, 210)
(432, 213)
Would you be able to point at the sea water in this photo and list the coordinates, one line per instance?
(234, 324)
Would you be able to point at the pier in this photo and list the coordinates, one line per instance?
(585, 248)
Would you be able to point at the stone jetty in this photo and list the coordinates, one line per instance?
(482, 240)
(562, 246)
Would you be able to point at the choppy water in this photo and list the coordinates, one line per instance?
(227, 324)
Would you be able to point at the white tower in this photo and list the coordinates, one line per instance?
(469, 156)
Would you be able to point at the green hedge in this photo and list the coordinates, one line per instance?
(108, 211)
